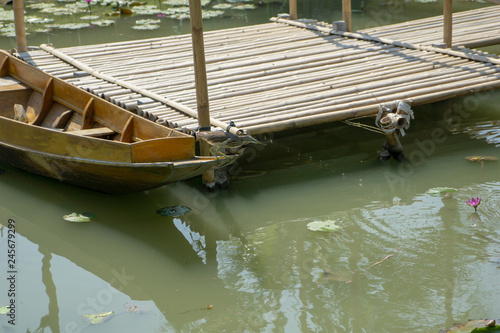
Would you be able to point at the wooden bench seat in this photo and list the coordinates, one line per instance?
(94, 132)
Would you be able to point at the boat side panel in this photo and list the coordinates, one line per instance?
(12, 93)
(165, 149)
(30, 137)
(112, 178)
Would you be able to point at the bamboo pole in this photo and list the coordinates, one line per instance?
(19, 26)
(346, 14)
(447, 22)
(200, 73)
(293, 9)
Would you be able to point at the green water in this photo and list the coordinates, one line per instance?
(404, 261)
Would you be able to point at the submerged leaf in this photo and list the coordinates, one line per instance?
(441, 191)
(323, 226)
(75, 217)
(4, 310)
(174, 211)
(98, 318)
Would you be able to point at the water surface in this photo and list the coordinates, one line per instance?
(404, 260)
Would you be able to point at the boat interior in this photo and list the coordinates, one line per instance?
(37, 99)
(34, 97)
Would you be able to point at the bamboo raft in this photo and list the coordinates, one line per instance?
(285, 74)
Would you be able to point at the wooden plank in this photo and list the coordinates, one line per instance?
(47, 102)
(94, 132)
(128, 131)
(88, 115)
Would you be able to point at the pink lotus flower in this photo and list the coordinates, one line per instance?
(474, 202)
(88, 1)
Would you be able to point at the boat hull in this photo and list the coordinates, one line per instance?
(101, 176)
(51, 128)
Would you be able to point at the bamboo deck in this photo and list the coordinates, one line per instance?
(286, 74)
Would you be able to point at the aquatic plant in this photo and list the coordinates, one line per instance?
(474, 202)
(90, 9)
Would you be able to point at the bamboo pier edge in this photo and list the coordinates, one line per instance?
(367, 37)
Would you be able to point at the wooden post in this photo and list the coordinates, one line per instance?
(19, 25)
(346, 14)
(447, 22)
(200, 74)
(293, 9)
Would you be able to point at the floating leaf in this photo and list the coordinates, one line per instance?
(145, 27)
(323, 226)
(103, 23)
(441, 191)
(70, 26)
(4, 310)
(37, 20)
(41, 5)
(174, 211)
(90, 17)
(481, 158)
(137, 309)
(222, 6)
(74, 217)
(147, 21)
(98, 318)
(244, 7)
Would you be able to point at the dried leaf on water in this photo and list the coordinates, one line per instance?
(481, 158)
(98, 318)
(174, 211)
(325, 226)
(78, 218)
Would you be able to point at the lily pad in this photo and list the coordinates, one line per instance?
(147, 21)
(77, 218)
(244, 7)
(441, 191)
(6, 15)
(89, 17)
(4, 310)
(103, 23)
(98, 318)
(37, 20)
(69, 26)
(325, 226)
(146, 27)
(174, 211)
(222, 6)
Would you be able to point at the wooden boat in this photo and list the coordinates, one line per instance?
(66, 133)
